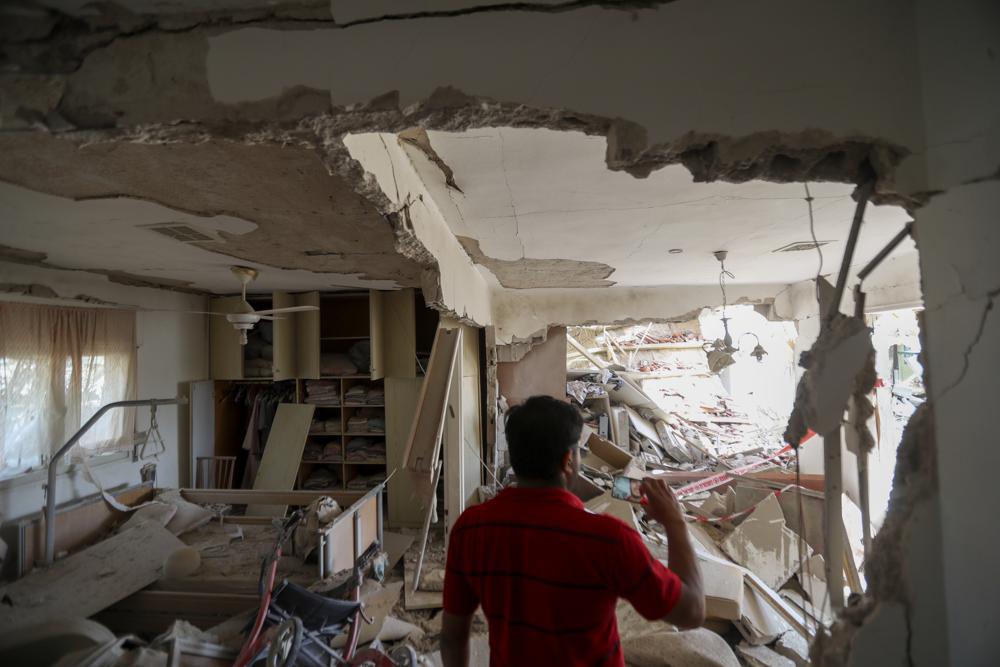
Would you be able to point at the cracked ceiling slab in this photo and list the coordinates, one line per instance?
(275, 207)
(528, 195)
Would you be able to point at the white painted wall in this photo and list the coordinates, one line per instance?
(172, 350)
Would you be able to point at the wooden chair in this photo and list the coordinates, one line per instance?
(215, 472)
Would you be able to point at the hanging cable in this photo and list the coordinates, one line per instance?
(812, 233)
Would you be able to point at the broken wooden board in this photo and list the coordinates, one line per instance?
(78, 524)
(761, 622)
(395, 545)
(91, 580)
(280, 465)
(422, 450)
(764, 545)
(153, 612)
(620, 509)
(418, 599)
(614, 456)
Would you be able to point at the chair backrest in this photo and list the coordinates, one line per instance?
(215, 472)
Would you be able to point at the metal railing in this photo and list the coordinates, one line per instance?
(50, 489)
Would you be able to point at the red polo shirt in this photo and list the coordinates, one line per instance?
(548, 574)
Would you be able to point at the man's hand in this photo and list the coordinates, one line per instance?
(663, 505)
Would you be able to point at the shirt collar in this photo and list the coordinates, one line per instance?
(543, 494)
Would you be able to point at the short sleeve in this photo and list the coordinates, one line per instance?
(645, 582)
(459, 598)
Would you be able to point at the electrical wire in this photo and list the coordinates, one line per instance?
(812, 233)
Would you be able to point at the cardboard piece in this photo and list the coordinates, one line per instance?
(723, 583)
(642, 425)
(86, 582)
(621, 509)
(612, 455)
(760, 622)
(764, 545)
(280, 465)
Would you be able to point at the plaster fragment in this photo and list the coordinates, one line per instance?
(527, 273)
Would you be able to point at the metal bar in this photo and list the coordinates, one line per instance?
(863, 493)
(378, 521)
(322, 555)
(833, 519)
(864, 192)
(884, 252)
(357, 537)
(50, 489)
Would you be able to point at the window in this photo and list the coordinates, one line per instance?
(58, 366)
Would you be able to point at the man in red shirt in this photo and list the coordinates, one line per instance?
(547, 572)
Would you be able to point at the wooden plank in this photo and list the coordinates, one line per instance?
(285, 339)
(307, 346)
(833, 521)
(83, 584)
(280, 465)
(399, 334)
(153, 612)
(375, 324)
(454, 451)
(263, 496)
(420, 454)
(582, 350)
(78, 524)
(418, 599)
(401, 396)
(339, 551)
(226, 353)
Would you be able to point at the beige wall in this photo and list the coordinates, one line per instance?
(541, 371)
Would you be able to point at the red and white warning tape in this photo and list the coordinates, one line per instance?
(734, 515)
(724, 477)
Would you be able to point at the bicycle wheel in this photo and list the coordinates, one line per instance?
(284, 648)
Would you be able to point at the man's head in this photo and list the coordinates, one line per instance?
(543, 435)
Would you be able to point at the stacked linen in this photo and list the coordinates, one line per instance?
(322, 478)
(336, 364)
(375, 395)
(356, 394)
(368, 420)
(331, 425)
(313, 451)
(357, 424)
(333, 451)
(360, 450)
(365, 482)
(320, 392)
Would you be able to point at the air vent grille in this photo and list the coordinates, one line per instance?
(181, 233)
(800, 246)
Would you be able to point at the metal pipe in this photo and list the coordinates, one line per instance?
(884, 252)
(864, 192)
(50, 489)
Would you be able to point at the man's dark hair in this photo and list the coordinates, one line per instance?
(539, 433)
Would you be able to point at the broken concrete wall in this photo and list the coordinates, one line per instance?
(172, 351)
(541, 371)
(947, 562)
(521, 314)
(406, 175)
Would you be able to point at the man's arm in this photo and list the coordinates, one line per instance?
(455, 629)
(689, 612)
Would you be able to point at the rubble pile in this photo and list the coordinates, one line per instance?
(758, 534)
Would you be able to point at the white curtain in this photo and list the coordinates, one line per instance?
(58, 366)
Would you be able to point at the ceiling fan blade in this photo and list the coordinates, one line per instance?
(269, 317)
(290, 309)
